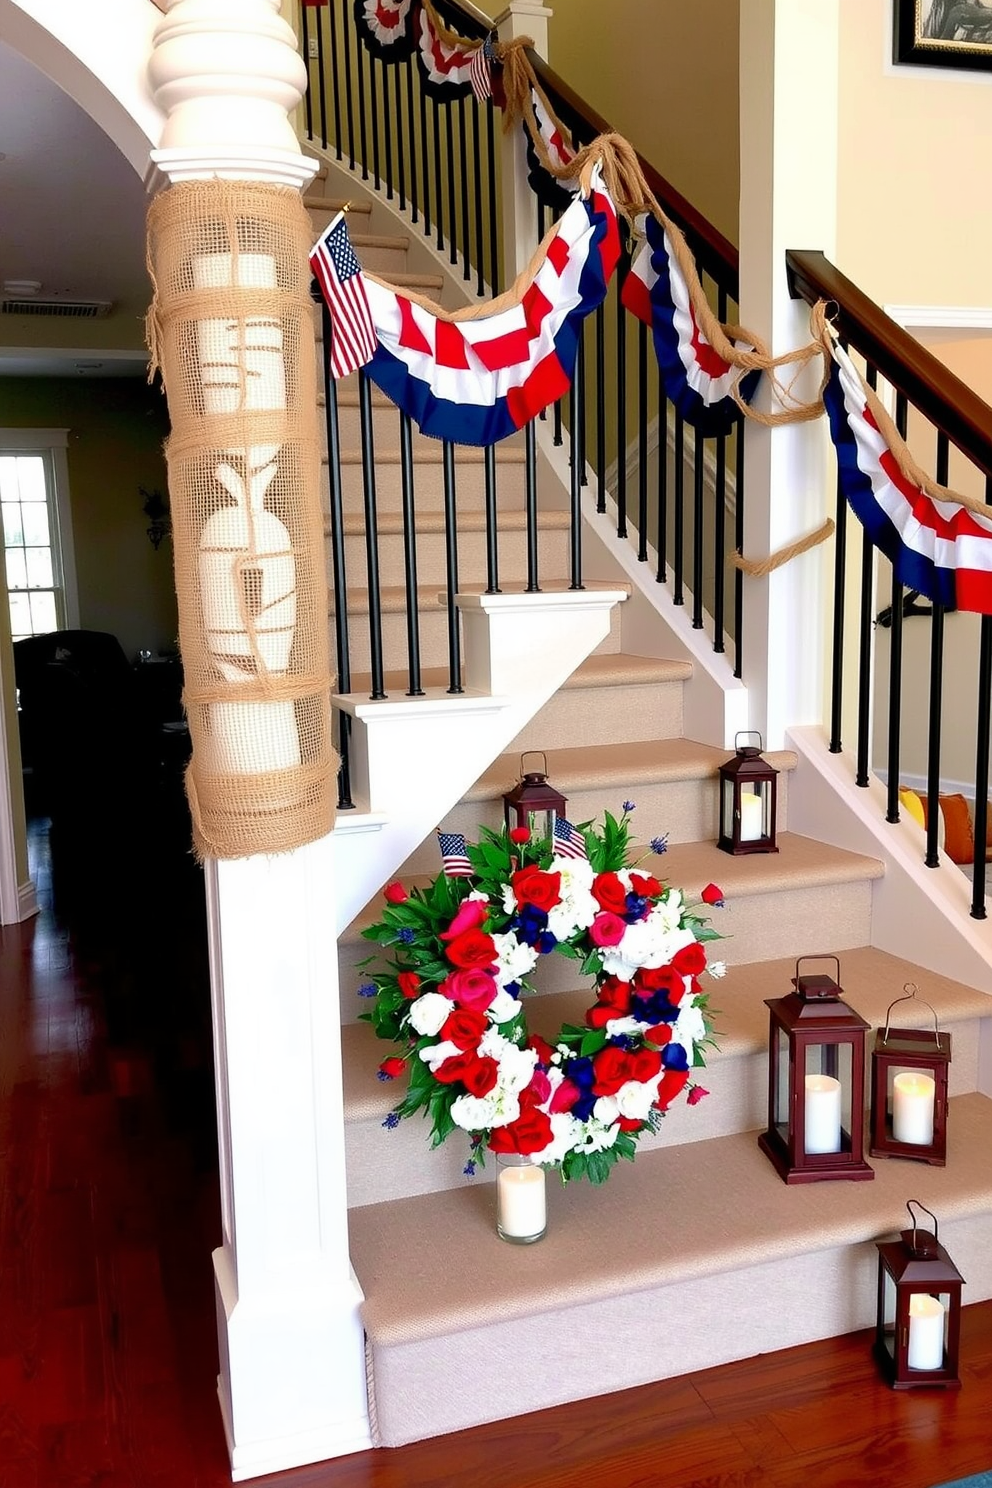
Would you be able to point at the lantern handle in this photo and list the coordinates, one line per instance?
(909, 1206)
(544, 757)
(820, 956)
(910, 990)
(745, 733)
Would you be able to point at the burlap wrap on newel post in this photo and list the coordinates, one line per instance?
(231, 328)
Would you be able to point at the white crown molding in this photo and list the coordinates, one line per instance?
(941, 317)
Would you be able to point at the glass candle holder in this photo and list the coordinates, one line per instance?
(521, 1202)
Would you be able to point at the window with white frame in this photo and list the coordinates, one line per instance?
(37, 531)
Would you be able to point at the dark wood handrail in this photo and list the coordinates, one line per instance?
(946, 401)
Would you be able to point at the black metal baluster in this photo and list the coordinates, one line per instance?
(865, 629)
(480, 278)
(678, 536)
(642, 442)
(336, 74)
(415, 688)
(493, 223)
(321, 85)
(837, 664)
(492, 546)
(463, 176)
(530, 501)
(362, 62)
(438, 174)
(600, 409)
(411, 135)
(575, 396)
(338, 563)
(580, 412)
(936, 691)
(305, 43)
(401, 142)
(451, 569)
(621, 389)
(349, 106)
(374, 106)
(425, 158)
(540, 219)
(449, 140)
(720, 515)
(661, 576)
(387, 132)
(739, 548)
(895, 663)
(698, 520)
(371, 535)
(978, 911)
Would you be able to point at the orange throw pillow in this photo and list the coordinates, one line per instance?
(959, 834)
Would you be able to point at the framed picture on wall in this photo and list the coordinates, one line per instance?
(943, 33)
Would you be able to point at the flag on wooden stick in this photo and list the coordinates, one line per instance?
(454, 858)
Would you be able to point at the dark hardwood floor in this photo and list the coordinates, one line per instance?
(109, 1211)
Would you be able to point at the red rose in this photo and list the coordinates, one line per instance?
(614, 993)
(606, 929)
(478, 1075)
(395, 893)
(610, 893)
(464, 1028)
(473, 988)
(539, 1087)
(690, 960)
(520, 834)
(472, 950)
(531, 1132)
(392, 1067)
(644, 1065)
(660, 979)
(599, 1016)
(672, 1082)
(564, 1097)
(611, 1068)
(541, 1047)
(469, 916)
(660, 1034)
(712, 895)
(409, 983)
(532, 886)
(696, 1094)
(629, 1123)
(646, 885)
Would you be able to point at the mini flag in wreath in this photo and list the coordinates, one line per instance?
(342, 284)
(481, 71)
(454, 858)
(569, 843)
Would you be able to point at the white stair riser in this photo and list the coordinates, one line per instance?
(754, 928)
(397, 1164)
(511, 553)
(684, 809)
(428, 485)
(615, 715)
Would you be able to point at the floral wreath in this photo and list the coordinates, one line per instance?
(451, 996)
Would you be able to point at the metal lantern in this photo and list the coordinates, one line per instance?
(748, 796)
(909, 1068)
(918, 1328)
(533, 802)
(816, 1082)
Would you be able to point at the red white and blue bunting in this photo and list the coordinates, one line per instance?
(696, 379)
(478, 378)
(939, 543)
(393, 30)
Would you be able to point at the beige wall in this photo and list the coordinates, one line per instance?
(117, 426)
(914, 221)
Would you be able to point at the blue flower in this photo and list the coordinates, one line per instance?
(381, 1075)
(405, 935)
(392, 1121)
(637, 908)
(628, 806)
(469, 1169)
(659, 845)
(545, 942)
(513, 988)
(367, 989)
(674, 1057)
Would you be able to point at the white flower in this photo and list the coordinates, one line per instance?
(650, 942)
(606, 1110)
(514, 959)
(516, 1068)
(717, 969)
(565, 1133)
(509, 899)
(636, 1097)
(429, 1013)
(503, 1007)
(597, 1137)
(625, 1025)
(690, 1027)
(479, 894)
(474, 1113)
(436, 1054)
(577, 908)
(493, 1044)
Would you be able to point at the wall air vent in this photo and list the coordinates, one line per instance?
(63, 309)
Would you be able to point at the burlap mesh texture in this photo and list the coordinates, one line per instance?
(231, 328)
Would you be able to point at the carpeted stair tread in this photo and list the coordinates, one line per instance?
(433, 1265)
(871, 979)
(593, 766)
(335, 203)
(390, 523)
(615, 669)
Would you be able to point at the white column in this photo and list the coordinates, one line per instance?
(519, 205)
(18, 900)
(292, 1383)
(788, 151)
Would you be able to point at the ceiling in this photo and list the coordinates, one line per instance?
(73, 217)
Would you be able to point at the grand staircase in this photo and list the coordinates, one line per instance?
(697, 1253)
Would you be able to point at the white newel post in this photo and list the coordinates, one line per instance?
(788, 153)
(292, 1381)
(519, 204)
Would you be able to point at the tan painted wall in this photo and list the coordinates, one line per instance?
(117, 426)
(914, 219)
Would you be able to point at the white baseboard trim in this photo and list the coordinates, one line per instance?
(941, 317)
(27, 900)
(283, 1453)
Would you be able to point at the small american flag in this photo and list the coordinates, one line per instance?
(342, 284)
(454, 858)
(568, 842)
(481, 71)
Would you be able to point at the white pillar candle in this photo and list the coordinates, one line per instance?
(752, 823)
(822, 1113)
(926, 1332)
(521, 1207)
(913, 1098)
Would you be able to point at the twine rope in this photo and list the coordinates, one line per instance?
(757, 568)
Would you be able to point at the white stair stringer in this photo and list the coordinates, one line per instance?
(413, 758)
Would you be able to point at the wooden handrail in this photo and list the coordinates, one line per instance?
(950, 404)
